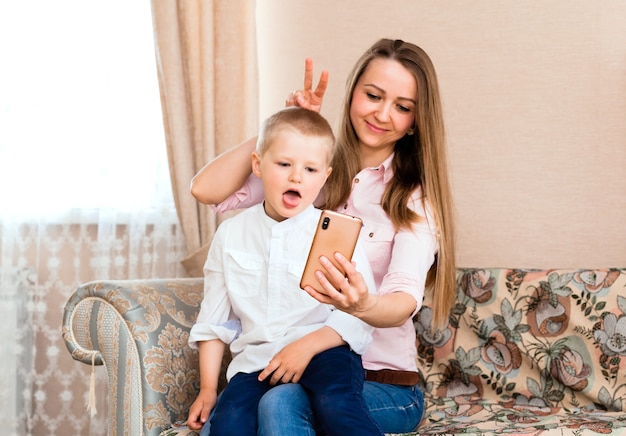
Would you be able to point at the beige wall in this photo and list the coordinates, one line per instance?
(535, 103)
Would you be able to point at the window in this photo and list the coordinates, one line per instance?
(80, 115)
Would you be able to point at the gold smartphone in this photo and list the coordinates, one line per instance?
(335, 232)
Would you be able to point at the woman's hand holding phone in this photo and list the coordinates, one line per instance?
(347, 292)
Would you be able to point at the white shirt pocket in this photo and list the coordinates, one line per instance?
(245, 273)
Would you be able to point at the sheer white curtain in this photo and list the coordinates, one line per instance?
(84, 191)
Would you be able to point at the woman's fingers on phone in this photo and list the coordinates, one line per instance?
(322, 298)
(353, 287)
(329, 293)
(348, 266)
(329, 289)
(337, 278)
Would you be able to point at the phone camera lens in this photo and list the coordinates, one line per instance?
(325, 223)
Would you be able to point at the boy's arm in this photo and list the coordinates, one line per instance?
(224, 175)
(341, 328)
(289, 363)
(210, 358)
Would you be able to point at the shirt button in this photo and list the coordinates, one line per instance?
(345, 206)
(356, 180)
(371, 235)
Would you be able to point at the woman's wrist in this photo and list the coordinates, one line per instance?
(367, 306)
(388, 310)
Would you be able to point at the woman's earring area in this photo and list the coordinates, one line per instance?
(410, 132)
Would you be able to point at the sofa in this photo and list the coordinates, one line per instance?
(526, 352)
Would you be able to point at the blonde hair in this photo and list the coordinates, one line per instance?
(304, 121)
(419, 161)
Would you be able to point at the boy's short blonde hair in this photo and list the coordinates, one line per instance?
(304, 121)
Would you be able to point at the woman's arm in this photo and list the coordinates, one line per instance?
(227, 172)
(402, 270)
(387, 310)
(223, 175)
(353, 297)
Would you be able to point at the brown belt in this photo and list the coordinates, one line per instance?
(393, 377)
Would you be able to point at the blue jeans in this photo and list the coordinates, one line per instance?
(332, 384)
(286, 410)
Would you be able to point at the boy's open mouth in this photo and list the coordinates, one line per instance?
(291, 198)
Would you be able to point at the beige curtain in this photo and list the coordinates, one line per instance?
(206, 59)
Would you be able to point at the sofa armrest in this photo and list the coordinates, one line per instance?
(139, 330)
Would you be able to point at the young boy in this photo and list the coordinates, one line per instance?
(254, 303)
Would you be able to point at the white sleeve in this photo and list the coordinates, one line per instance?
(356, 333)
(215, 319)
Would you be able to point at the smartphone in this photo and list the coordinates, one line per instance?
(335, 232)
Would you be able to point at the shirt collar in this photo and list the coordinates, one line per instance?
(387, 168)
(290, 223)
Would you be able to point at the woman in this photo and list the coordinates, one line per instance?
(390, 170)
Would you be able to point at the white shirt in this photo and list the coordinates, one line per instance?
(252, 275)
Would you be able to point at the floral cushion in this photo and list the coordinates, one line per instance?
(527, 352)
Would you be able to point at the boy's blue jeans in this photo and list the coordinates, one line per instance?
(286, 410)
(333, 385)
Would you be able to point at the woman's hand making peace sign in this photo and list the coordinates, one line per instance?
(307, 98)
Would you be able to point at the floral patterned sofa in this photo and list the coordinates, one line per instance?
(526, 352)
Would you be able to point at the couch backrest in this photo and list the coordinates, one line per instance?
(532, 339)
